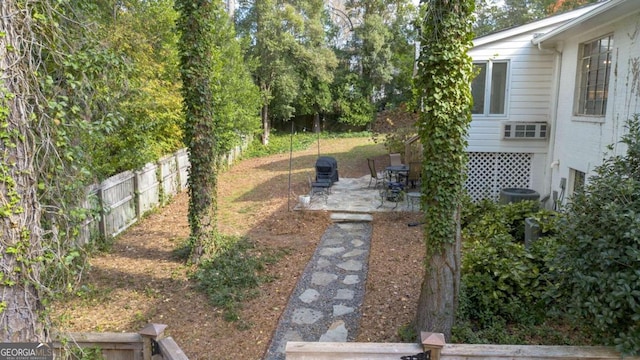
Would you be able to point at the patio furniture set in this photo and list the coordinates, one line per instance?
(396, 179)
(394, 183)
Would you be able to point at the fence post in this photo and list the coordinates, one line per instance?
(102, 223)
(136, 194)
(178, 179)
(433, 342)
(150, 336)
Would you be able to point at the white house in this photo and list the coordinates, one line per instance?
(550, 97)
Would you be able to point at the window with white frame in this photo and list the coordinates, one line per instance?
(489, 88)
(577, 180)
(595, 70)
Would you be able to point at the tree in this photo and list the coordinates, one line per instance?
(316, 65)
(376, 63)
(493, 15)
(21, 232)
(236, 97)
(46, 108)
(270, 28)
(196, 25)
(148, 121)
(442, 85)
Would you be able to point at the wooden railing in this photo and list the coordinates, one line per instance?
(148, 344)
(433, 348)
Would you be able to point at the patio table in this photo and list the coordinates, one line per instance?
(396, 170)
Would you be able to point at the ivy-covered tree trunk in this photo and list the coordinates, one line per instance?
(443, 86)
(196, 24)
(20, 228)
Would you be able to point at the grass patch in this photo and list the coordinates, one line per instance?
(235, 274)
(280, 142)
(407, 333)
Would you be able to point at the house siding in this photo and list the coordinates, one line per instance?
(530, 89)
(581, 142)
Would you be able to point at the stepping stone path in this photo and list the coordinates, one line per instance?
(325, 305)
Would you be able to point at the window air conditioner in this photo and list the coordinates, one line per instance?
(525, 130)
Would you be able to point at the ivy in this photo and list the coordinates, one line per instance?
(196, 24)
(445, 72)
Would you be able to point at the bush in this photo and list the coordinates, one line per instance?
(502, 282)
(235, 274)
(599, 261)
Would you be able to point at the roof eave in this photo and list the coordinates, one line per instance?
(550, 21)
(607, 12)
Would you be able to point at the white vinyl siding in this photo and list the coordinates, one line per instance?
(530, 90)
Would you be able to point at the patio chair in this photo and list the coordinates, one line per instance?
(322, 188)
(395, 159)
(374, 173)
(392, 191)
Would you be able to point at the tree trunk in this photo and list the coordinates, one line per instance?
(21, 235)
(266, 126)
(439, 293)
(196, 44)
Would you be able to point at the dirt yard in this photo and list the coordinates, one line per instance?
(141, 281)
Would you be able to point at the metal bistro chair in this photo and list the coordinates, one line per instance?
(374, 173)
(395, 159)
(392, 191)
(319, 187)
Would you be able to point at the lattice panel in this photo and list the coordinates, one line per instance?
(490, 172)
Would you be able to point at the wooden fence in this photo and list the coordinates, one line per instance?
(124, 198)
(148, 344)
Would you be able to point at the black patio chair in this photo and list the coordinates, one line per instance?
(322, 188)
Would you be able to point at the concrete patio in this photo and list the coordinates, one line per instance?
(354, 195)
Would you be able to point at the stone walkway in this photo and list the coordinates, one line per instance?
(325, 305)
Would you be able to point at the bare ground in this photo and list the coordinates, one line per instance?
(141, 280)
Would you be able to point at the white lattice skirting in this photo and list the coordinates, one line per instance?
(490, 172)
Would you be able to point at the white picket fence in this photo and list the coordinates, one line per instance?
(124, 198)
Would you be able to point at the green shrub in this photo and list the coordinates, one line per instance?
(502, 282)
(235, 274)
(599, 260)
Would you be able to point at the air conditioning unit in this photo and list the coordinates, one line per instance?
(525, 130)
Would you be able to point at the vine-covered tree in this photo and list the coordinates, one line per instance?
(442, 85)
(197, 38)
(47, 108)
(21, 231)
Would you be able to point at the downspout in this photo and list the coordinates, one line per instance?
(552, 163)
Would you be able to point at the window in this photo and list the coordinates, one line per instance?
(577, 179)
(595, 69)
(489, 88)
